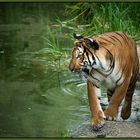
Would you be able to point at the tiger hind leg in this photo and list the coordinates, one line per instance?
(116, 99)
(126, 108)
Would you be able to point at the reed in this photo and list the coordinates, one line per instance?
(97, 18)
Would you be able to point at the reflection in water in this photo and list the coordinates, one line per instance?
(39, 101)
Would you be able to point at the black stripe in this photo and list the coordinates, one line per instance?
(112, 64)
(123, 36)
(85, 50)
(109, 93)
(88, 58)
(117, 39)
(95, 78)
(119, 79)
(112, 38)
(120, 34)
(99, 62)
(121, 75)
(107, 40)
(110, 68)
(94, 61)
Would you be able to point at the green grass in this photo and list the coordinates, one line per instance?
(54, 41)
(86, 19)
(97, 18)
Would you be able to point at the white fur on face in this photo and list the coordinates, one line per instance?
(79, 52)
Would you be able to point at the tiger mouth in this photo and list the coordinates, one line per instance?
(85, 70)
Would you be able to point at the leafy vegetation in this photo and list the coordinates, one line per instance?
(97, 18)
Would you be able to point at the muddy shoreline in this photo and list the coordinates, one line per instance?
(110, 129)
(120, 128)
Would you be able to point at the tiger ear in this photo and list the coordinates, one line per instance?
(93, 44)
(77, 36)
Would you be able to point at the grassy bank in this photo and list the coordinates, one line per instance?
(97, 18)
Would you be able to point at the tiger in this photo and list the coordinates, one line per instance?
(108, 59)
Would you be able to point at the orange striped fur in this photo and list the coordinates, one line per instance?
(110, 59)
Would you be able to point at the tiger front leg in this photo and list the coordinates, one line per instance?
(95, 107)
(116, 99)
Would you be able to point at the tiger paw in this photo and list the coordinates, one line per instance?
(111, 118)
(111, 113)
(97, 123)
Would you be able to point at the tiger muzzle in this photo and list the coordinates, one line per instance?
(74, 67)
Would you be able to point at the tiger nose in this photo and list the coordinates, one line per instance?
(74, 69)
(71, 68)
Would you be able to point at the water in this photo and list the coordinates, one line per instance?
(40, 102)
(39, 96)
(36, 110)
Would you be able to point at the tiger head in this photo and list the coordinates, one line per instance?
(82, 54)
